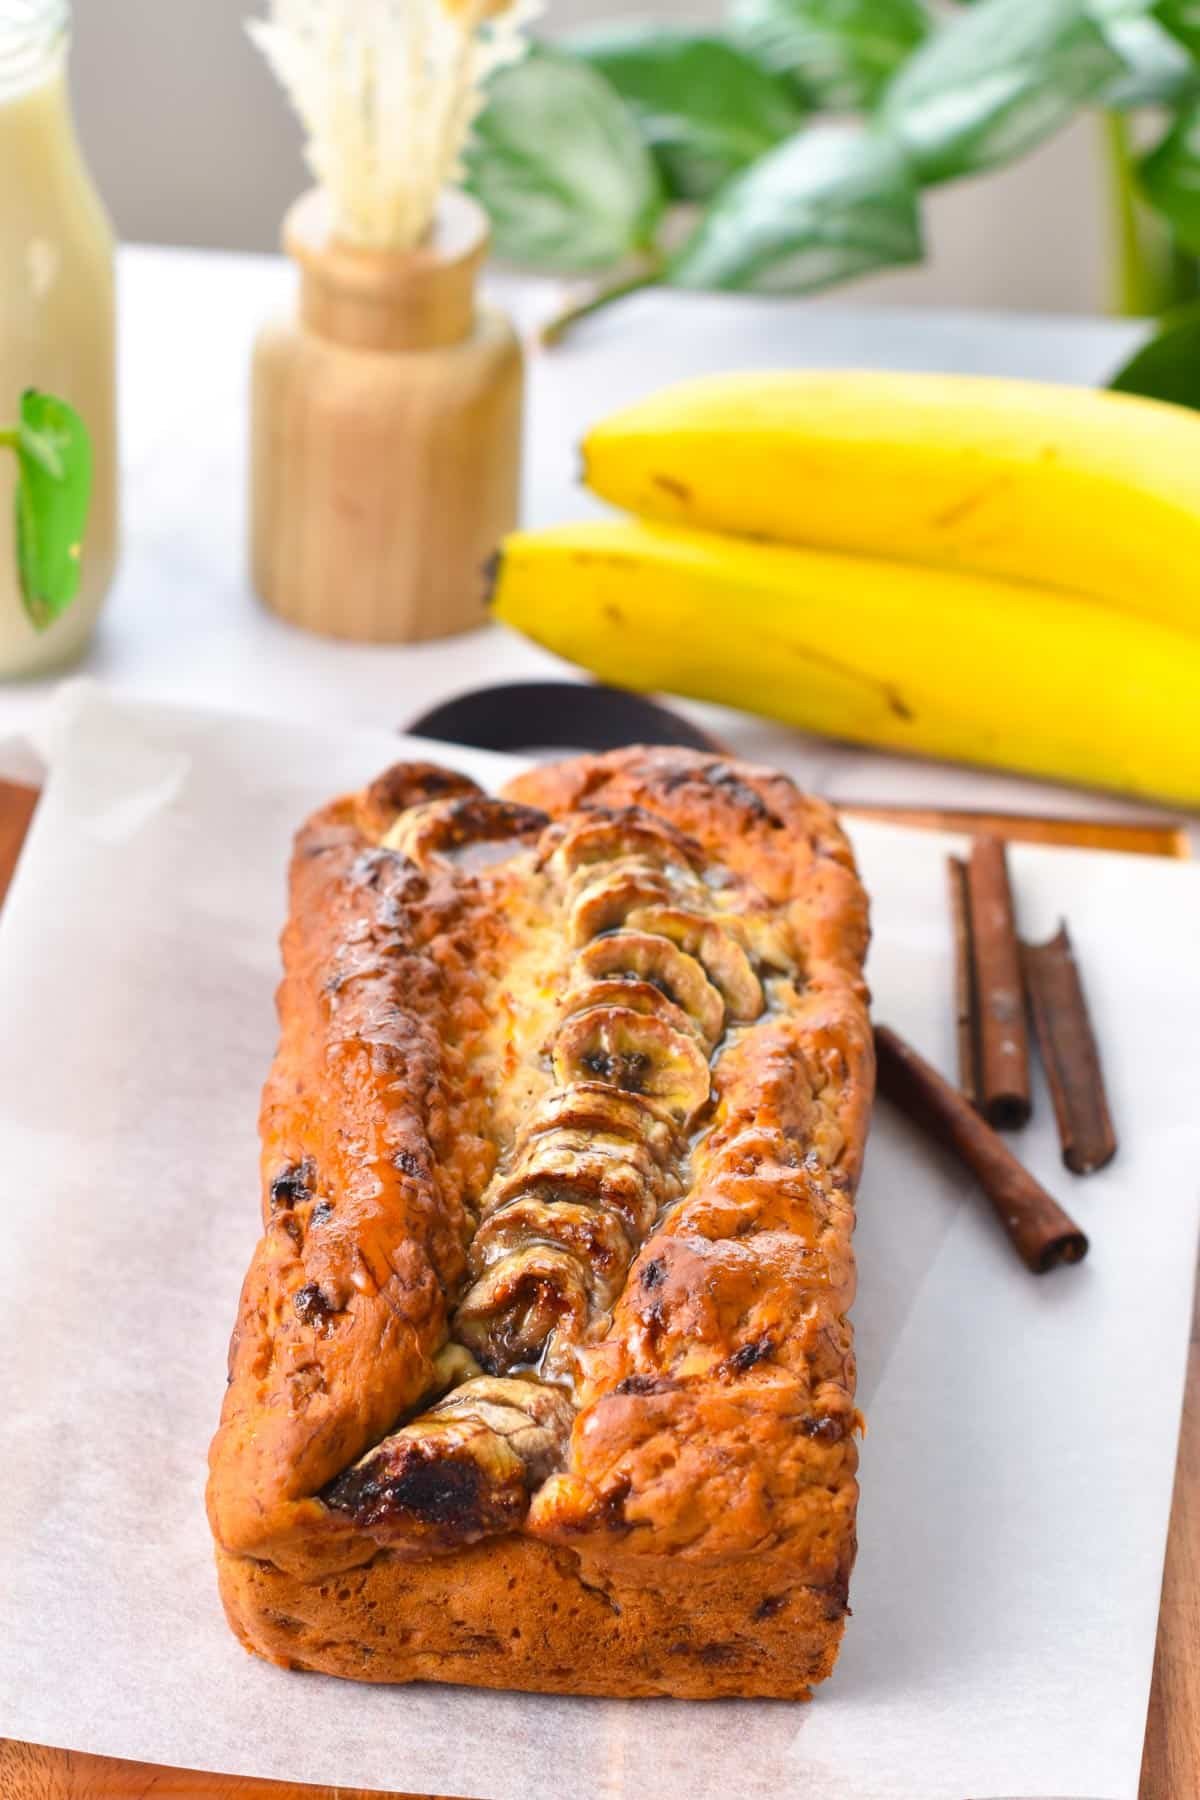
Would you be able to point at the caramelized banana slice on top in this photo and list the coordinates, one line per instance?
(605, 901)
(725, 962)
(534, 1419)
(636, 1053)
(593, 1234)
(607, 837)
(639, 996)
(462, 1470)
(507, 1316)
(642, 956)
(594, 1168)
(593, 1106)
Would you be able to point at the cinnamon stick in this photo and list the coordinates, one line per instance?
(965, 1024)
(1003, 1042)
(1040, 1231)
(1070, 1054)
(1137, 837)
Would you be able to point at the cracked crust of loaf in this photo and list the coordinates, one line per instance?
(698, 1537)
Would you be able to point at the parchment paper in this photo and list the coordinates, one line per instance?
(1017, 1472)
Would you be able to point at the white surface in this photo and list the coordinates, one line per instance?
(1017, 1472)
(183, 623)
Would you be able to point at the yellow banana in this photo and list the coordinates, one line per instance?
(1066, 488)
(931, 662)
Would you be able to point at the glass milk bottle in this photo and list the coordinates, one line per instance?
(56, 312)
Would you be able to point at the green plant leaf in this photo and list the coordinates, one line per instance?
(996, 80)
(1182, 19)
(558, 163)
(706, 107)
(1168, 367)
(833, 202)
(1170, 177)
(839, 53)
(54, 484)
(1157, 69)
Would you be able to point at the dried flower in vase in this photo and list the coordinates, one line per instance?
(386, 410)
(386, 91)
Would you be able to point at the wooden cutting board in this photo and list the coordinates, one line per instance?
(1171, 1763)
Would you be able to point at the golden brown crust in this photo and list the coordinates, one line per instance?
(669, 1245)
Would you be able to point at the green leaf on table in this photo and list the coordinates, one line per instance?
(839, 53)
(54, 484)
(706, 107)
(1170, 177)
(558, 163)
(994, 81)
(833, 202)
(1168, 367)
(1182, 20)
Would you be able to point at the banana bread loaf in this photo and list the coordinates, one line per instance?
(542, 1376)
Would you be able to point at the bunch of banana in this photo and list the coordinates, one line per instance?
(998, 572)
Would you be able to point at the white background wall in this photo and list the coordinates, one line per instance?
(192, 143)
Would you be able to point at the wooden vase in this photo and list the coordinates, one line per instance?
(385, 434)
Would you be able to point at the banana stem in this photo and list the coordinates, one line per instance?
(595, 300)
